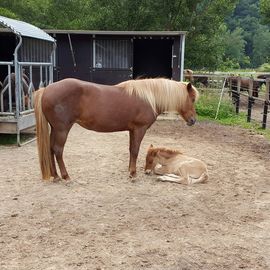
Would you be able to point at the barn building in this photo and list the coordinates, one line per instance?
(109, 57)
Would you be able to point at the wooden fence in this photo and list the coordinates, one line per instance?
(246, 93)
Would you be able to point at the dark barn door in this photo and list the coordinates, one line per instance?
(152, 58)
(74, 56)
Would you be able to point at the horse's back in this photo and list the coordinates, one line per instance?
(193, 163)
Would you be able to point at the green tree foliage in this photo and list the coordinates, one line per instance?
(7, 13)
(234, 55)
(201, 18)
(212, 41)
(246, 16)
(265, 10)
(261, 46)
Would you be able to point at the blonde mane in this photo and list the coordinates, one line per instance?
(165, 152)
(161, 94)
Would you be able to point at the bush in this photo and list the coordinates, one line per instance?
(264, 67)
(207, 105)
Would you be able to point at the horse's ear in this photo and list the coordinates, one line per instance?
(189, 87)
(151, 146)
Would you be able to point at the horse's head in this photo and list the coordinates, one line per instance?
(188, 73)
(187, 111)
(151, 160)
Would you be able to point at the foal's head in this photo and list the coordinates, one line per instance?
(151, 160)
(187, 111)
(158, 156)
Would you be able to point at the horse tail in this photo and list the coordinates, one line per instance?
(43, 137)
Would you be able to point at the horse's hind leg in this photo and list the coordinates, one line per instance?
(183, 175)
(202, 179)
(53, 166)
(60, 137)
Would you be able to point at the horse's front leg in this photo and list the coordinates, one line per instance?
(135, 138)
(162, 169)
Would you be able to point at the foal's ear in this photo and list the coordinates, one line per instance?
(189, 87)
(151, 146)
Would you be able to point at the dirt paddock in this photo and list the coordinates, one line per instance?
(102, 220)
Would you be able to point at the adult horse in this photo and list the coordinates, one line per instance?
(188, 75)
(264, 76)
(25, 86)
(131, 105)
(244, 85)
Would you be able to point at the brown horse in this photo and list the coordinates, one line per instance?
(25, 86)
(131, 105)
(244, 85)
(188, 75)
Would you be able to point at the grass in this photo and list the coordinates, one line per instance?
(11, 139)
(207, 107)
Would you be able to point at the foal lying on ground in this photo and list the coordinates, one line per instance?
(173, 166)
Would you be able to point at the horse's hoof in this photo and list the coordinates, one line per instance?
(66, 177)
(132, 175)
(147, 171)
(56, 179)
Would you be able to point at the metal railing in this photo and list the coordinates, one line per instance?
(8, 93)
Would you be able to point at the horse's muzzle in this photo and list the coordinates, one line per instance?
(191, 122)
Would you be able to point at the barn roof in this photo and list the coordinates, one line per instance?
(20, 28)
(120, 33)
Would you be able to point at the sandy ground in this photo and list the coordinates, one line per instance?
(102, 220)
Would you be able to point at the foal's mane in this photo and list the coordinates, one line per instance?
(162, 94)
(164, 152)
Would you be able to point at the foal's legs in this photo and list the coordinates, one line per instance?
(135, 138)
(181, 177)
(60, 137)
(169, 178)
(184, 176)
(161, 170)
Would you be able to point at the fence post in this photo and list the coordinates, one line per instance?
(250, 99)
(237, 101)
(229, 80)
(266, 103)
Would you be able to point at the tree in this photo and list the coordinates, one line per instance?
(235, 47)
(247, 17)
(261, 47)
(202, 19)
(7, 13)
(265, 10)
